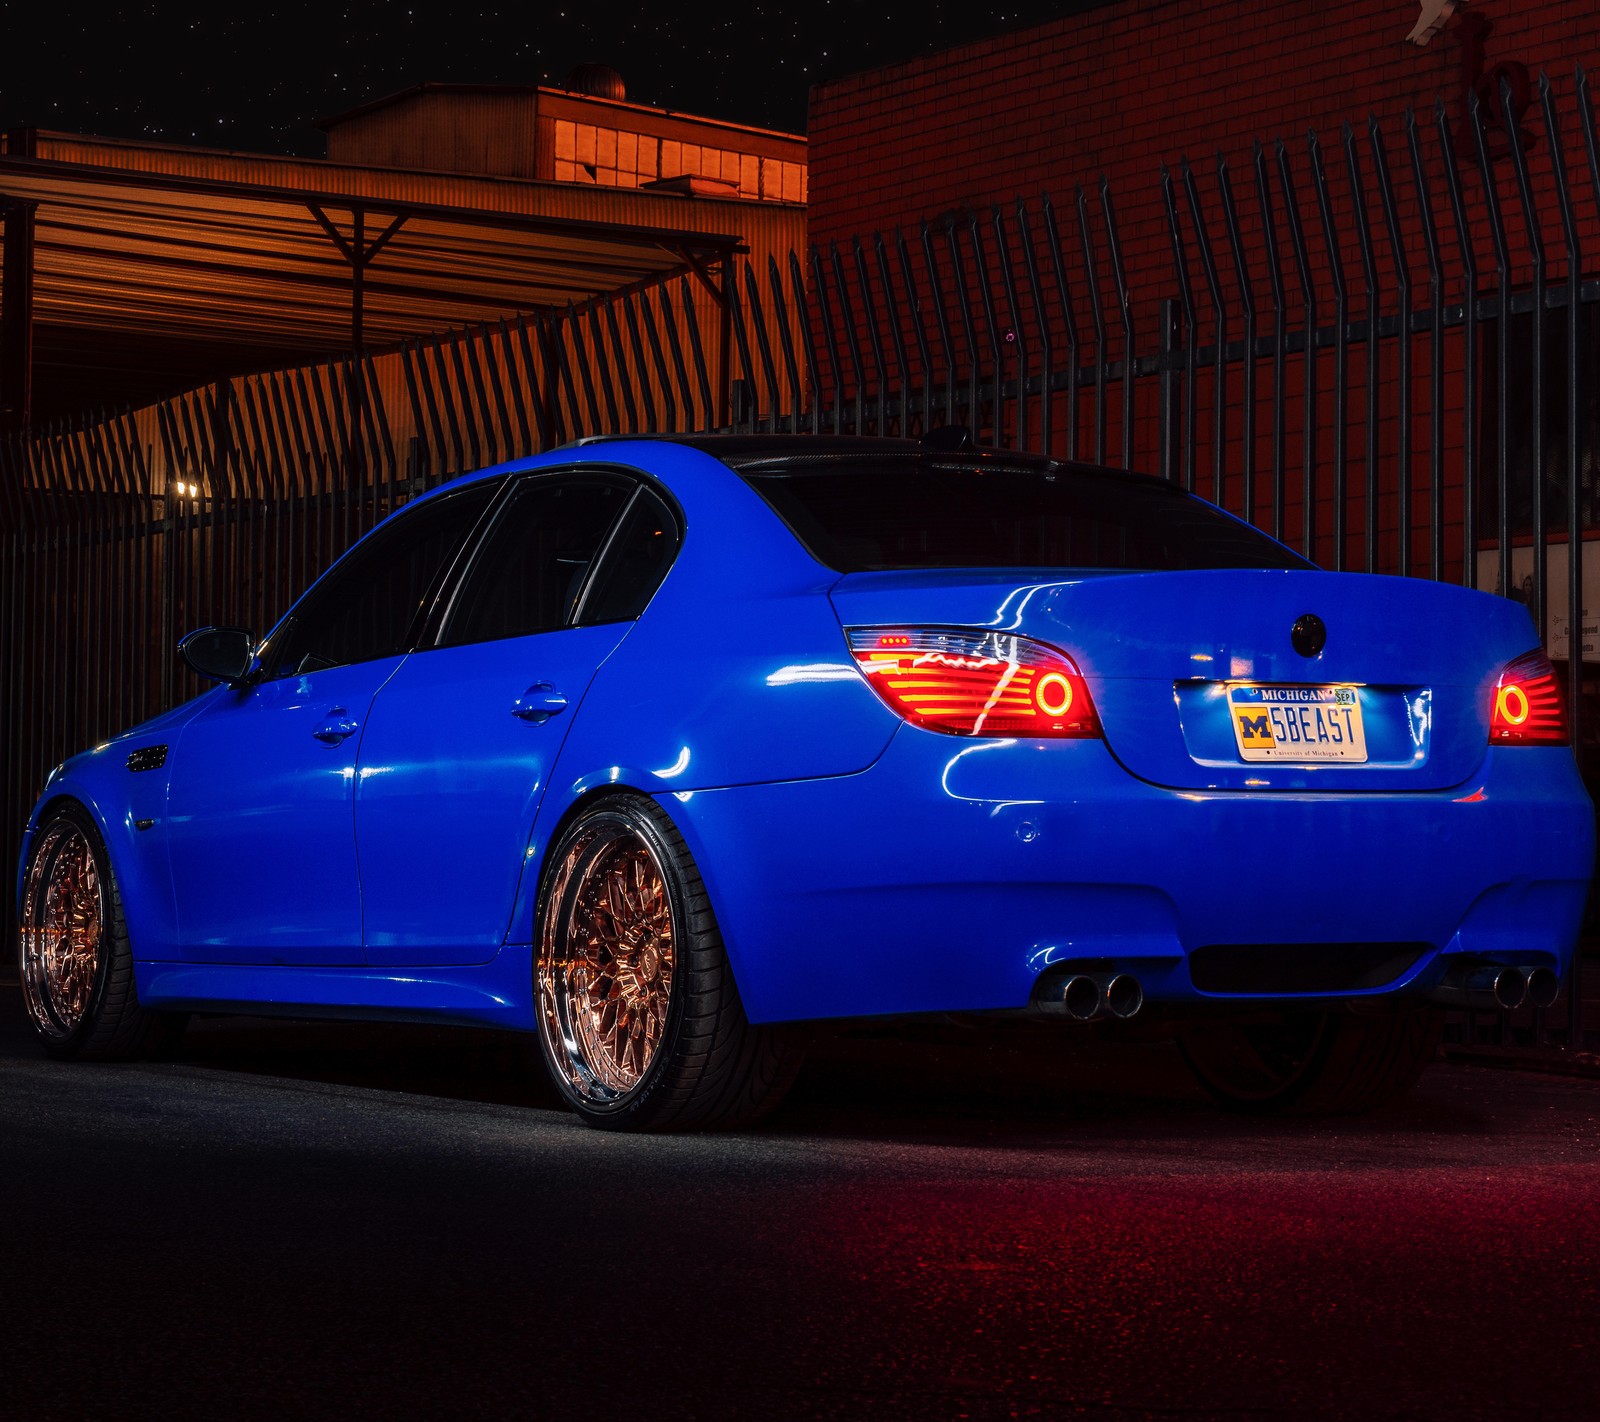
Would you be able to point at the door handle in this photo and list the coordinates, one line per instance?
(340, 723)
(539, 703)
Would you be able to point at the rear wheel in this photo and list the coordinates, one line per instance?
(639, 1018)
(1313, 1063)
(76, 965)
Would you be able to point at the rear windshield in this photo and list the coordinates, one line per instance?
(865, 515)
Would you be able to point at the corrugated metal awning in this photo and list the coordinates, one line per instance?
(156, 253)
(126, 260)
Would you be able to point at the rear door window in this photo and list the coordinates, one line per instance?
(534, 563)
(634, 562)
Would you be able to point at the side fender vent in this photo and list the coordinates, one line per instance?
(148, 758)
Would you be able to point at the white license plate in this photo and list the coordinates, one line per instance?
(1303, 723)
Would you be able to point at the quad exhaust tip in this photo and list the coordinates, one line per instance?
(1543, 986)
(1086, 996)
(1123, 995)
(1081, 997)
(1497, 989)
(1509, 988)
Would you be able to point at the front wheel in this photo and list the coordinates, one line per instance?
(1314, 1063)
(76, 965)
(640, 1022)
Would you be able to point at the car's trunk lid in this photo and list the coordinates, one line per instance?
(1172, 660)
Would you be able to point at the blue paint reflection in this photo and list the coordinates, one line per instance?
(960, 755)
(812, 672)
(677, 767)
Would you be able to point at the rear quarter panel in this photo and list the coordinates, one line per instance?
(737, 673)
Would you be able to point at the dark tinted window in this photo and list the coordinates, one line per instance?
(634, 564)
(937, 512)
(530, 571)
(368, 605)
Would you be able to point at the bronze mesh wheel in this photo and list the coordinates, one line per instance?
(640, 1021)
(64, 916)
(606, 962)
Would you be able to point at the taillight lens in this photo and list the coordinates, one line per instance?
(975, 683)
(1527, 709)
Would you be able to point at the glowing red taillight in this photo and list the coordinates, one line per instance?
(975, 683)
(1527, 708)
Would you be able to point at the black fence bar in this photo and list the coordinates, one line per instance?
(1247, 307)
(980, 263)
(1041, 317)
(1308, 322)
(1058, 265)
(897, 335)
(1097, 316)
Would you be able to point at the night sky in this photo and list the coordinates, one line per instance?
(254, 78)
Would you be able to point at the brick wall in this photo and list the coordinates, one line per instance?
(1121, 90)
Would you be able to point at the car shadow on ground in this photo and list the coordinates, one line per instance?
(954, 1084)
(967, 1082)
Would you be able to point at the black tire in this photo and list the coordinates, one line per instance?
(73, 955)
(1337, 1063)
(640, 1022)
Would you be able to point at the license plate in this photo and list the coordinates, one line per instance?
(1302, 723)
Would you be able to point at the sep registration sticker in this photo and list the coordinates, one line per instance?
(1301, 723)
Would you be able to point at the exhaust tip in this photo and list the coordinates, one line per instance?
(1542, 987)
(1509, 988)
(1124, 996)
(1081, 997)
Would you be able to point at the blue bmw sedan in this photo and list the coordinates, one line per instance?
(658, 748)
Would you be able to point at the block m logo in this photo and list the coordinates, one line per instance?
(1255, 728)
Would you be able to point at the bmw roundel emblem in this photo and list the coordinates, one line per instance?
(1309, 634)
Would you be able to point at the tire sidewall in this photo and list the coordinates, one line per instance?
(1329, 1081)
(638, 814)
(1196, 1054)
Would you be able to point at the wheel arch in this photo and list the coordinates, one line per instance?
(552, 822)
(144, 885)
(56, 795)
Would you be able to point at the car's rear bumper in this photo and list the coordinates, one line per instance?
(954, 874)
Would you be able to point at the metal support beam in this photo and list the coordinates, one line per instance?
(16, 316)
(358, 270)
(359, 253)
(716, 277)
(725, 344)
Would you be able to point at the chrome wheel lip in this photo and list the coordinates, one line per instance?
(62, 941)
(607, 963)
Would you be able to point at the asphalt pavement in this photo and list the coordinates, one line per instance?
(306, 1221)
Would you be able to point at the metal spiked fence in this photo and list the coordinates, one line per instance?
(1381, 347)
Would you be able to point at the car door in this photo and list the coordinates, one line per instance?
(461, 739)
(261, 822)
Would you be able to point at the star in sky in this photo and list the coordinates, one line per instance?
(256, 78)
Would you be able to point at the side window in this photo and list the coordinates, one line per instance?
(366, 607)
(634, 564)
(530, 571)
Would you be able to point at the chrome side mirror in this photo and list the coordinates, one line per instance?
(219, 653)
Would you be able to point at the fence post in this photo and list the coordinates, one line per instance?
(1168, 418)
